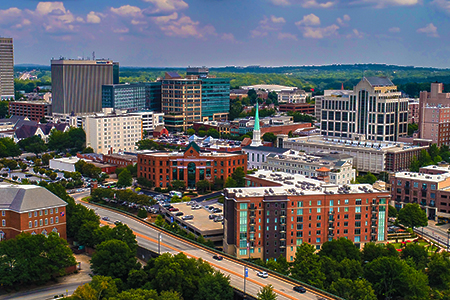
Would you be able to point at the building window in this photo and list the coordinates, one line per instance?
(30, 215)
(51, 220)
(3, 222)
(35, 213)
(56, 219)
(56, 210)
(30, 224)
(40, 213)
(35, 223)
(40, 222)
(3, 213)
(46, 221)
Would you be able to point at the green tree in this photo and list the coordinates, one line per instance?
(392, 212)
(267, 293)
(439, 271)
(101, 287)
(33, 144)
(412, 127)
(4, 105)
(218, 184)
(391, 277)
(415, 164)
(411, 215)
(417, 253)
(239, 176)
(46, 158)
(87, 150)
(178, 185)
(136, 294)
(230, 183)
(269, 137)
(190, 131)
(123, 233)
(373, 251)
(202, 185)
(214, 286)
(113, 258)
(125, 179)
(201, 133)
(359, 289)
(213, 133)
(307, 266)
(8, 148)
(340, 249)
(145, 182)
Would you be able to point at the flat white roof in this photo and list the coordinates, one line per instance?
(422, 177)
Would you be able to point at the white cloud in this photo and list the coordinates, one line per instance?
(46, 8)
(343, 21)
(442, 4)
(277, 20)
(121, 30)
(318, 32)
(228, 37)
(309, 20)
(127, 11)
(167, 5)
(394, 29)
(386, 3)
(306, 3)
(183, 27)
(430, 30)
(92, 17)
(286, 35)
(355, 34)
(257, 33)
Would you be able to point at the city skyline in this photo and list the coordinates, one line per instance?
(174, 33)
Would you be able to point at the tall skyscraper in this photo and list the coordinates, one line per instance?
(77, 84)
(6, 68)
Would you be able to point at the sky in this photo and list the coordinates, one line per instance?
(213, 33)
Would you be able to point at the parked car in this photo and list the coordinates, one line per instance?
(217, 257)
(217, 210)
(105, 219)
(179, 214)
(188, 217)
(262, 274)
(212, 217)
(173, 209)
(299, 289)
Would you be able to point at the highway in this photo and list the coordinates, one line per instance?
(147, 237)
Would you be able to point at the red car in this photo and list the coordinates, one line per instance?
(174, 209)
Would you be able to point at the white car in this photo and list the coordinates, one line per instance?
(262, 274)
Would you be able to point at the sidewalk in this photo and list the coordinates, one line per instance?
(441, 228)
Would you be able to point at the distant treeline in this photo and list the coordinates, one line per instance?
(410, 80)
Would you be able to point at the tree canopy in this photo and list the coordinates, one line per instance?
(411, 215)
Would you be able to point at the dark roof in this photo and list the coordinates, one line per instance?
(173, 74)
(266, 149)
(379, 81)
(25, 131)
(28, 130)
(158, 128)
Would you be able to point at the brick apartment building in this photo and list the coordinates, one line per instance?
(281, 211)
(33, 110)
(304, 108)
(120, 160)
(430, 188)
(190, 166)
(32, 209)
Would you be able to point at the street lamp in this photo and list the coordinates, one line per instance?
(159, 243)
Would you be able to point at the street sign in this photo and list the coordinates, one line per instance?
(171, 219)
(246, 272)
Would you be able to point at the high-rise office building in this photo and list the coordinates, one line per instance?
(77, 84)
(153, 96)
(6, 68)
(372, 111)
(130, 97)
(198, 97)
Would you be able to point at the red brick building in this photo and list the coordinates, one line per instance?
(33, 110)
(190, 166)
(274, 220)
(120, 160)
(304, 108)
(32, 209)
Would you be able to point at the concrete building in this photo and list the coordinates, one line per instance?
(198, 97)
(112, 132)
(334, 169)
(33, 110)
(368, 156)
(120, 160)
(434, 112)
(330, 95)
(32, 209)
(63, 164)
(150, 119)
(281, 211)
(295, 96)
(190, 166)
(153, 96)
(6, 68)
(372, 111)
(413, 111)
(77, 84)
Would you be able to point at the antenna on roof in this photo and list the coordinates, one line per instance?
(93, 55)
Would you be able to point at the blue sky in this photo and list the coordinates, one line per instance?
(158, 33)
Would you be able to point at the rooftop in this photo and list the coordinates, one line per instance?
(24, 198)
(301, 157)
(296, 185)
(266, 149)
(379, 81)
(68, 160)
(423, 177)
